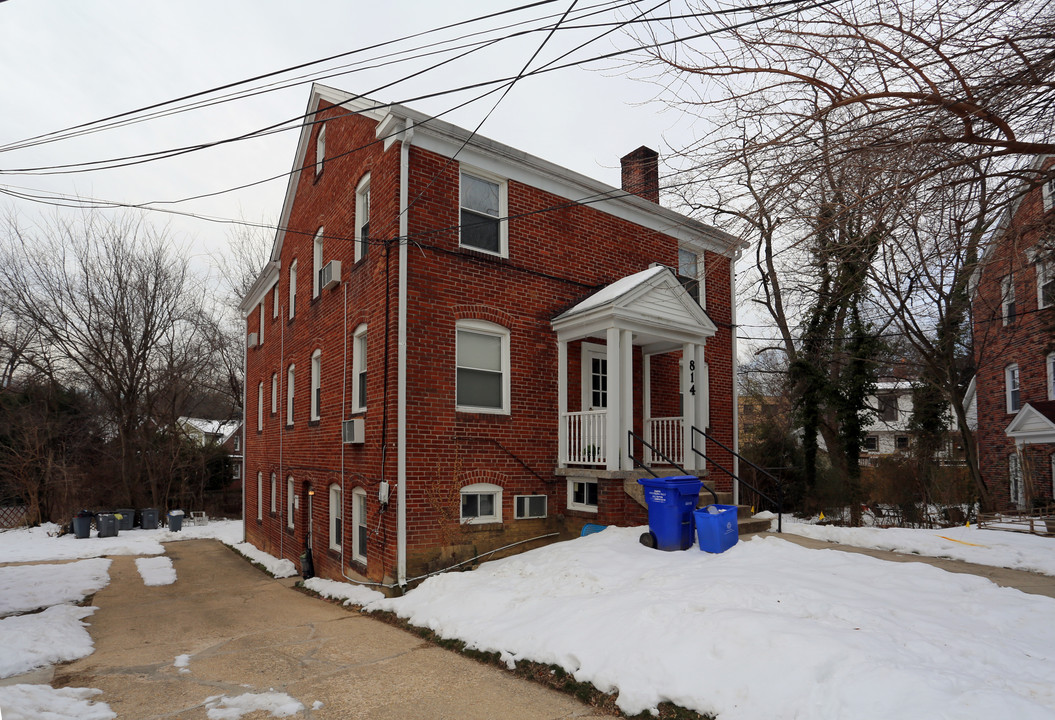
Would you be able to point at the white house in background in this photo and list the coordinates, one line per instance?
(889, 432)
(204, 431)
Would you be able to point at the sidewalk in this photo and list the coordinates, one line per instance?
(247, 633)
(1028, 582)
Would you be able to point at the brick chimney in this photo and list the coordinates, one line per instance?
(641, 173)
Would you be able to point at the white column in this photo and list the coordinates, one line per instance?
(626, 404)
(646, 406)
(688, 404)
(613, 419)
(703, 402)
(562, 403)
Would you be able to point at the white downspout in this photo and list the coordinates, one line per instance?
(401, 362)
(736, 372)
(245, 455)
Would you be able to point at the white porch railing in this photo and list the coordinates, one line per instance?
(668, 437)
(585, 434)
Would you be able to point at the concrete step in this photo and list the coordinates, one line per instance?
(748, 526)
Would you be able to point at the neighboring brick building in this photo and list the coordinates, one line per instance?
(430, 346)
(1014, 311)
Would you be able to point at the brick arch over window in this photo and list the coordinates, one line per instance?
(473, 477)
(486, 313)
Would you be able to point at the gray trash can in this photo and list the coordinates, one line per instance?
(107, 523)
(82, 525)
(149, 518)
(175, 520)
(127, 518)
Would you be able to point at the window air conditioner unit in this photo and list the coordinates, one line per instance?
(330, 274)
(352, 431)
(251, 342)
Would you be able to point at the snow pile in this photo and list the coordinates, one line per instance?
(156, 570)
(24, 588)
(33, 702)
(350, 593)
(182, 662)
(52, 636)
(278, 568)
(767, 629)
(997, 548)
(277, 704)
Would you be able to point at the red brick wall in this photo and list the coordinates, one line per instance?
(1025, 342)
(556, 257)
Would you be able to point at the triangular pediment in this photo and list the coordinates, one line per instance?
(653, 303)
(1032, 425)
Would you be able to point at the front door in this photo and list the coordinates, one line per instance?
(594, 377)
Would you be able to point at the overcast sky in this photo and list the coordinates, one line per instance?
(67, 63)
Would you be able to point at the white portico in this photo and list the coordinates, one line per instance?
(651, 310)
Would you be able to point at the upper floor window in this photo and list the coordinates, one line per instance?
(316, 384)
(274, 493)
(260, 406)
(362, 218)
(336, 524)
(274, 393)
(1045, 283)
(1050, 364)
(274, 303)
(1007, 299)
(1047, 190)
(689, 272)
(483, 205)
(888, 407)
(316, 259)
(482, 376)
(359, 369)
(289, 395)
(292, 288)
(320, 150)
(261, 340)
(1011, 388)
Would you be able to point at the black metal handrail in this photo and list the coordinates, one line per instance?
(780, 486)
(631, 436)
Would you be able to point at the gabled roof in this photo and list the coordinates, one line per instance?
(1034, 423)
(489, 155)
(652, 303)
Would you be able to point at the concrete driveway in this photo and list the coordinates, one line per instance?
(248, 633)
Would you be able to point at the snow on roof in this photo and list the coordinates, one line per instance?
(616, 290)
(223, 428)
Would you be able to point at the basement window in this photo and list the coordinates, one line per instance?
(530, 506)
(481, 503)
(582, 494)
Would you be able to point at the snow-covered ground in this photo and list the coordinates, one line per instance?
(767, 629)
(67, 570)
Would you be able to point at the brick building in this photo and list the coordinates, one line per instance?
(1014, 310)
(453, 338)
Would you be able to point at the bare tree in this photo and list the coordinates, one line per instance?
(118, 313)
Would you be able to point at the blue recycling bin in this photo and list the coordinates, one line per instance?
(670, 502)
(716, 527)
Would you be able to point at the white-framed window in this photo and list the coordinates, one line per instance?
(320, 150)
(481, 503)
(291, 504)
(316, 262)
(689, 273)
(316, 384)
(1011, 388)
(901, 442)
(888, 407)
(582, 494)
(236, 470)
(260, 407)
(359, 369)
(274, 494)
(529, 506)
(871, 443)
(289, 394)
(1007, 299)
(293, 288)
(336, 513)
(259, 495)
(1014, 476)
(260, 341)
(484, 206)
(237, 443)
(1049, 364)
(1045, 283)
(274, 393)
(359, 522)
(362, 218)
(1047, 193)
(482, 360)
(274, 302)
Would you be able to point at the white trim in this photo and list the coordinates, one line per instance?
(290, 377)
(1012, 383)
(260, 406)
(1047, 193)
(316, 384)
(482, 327)
(274, 493)
(359, 366)
(589, 351)
(260, 495)
(316, 261)
(291, 504)
(572, 504)
(260, 340)
(1049, 365)
(320, 151)
(1045, 269)
(292, 288)
(503, 209)
(362, 206)
(274, 393)
(336, 517)
(517, 515)
(358, 522)
(481, 489)
(274, 301)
